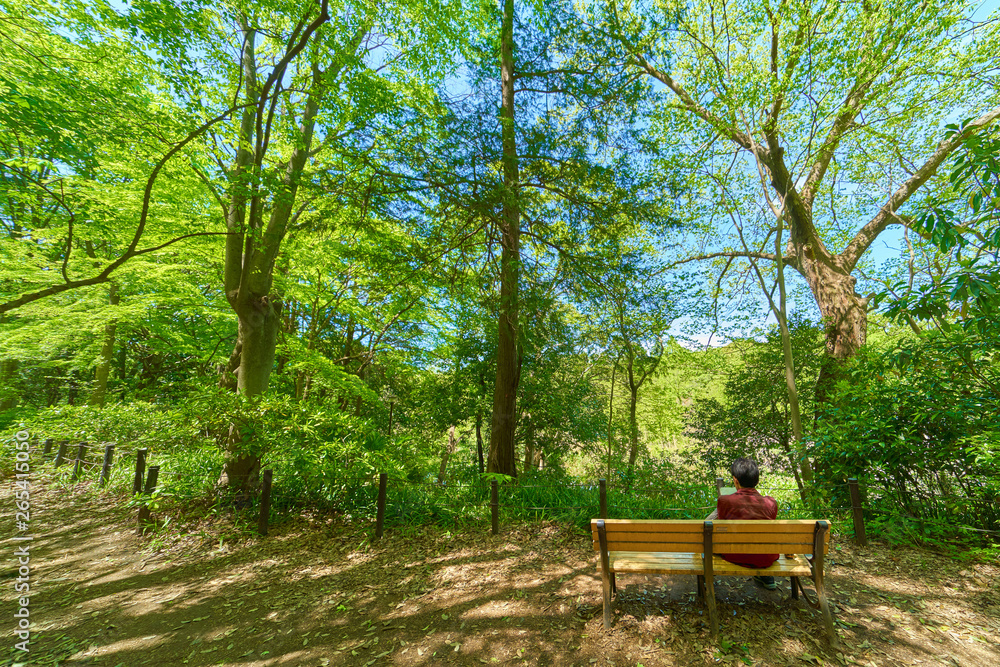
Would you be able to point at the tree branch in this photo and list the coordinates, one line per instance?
(731, 254)
(887, 214)
(140, 227)
(845, 119)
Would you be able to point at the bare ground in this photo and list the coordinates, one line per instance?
(317, 592)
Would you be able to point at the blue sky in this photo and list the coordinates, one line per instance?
(887, 247)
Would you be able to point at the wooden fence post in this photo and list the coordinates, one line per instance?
(383, 481)
(81, 452)
(61, 454)
(719, 483)
(860, 538)
(495, 506)
(603, 486)
(48, 448)
(154, 473)
(265, 501)
(109, 453)
(140, 468)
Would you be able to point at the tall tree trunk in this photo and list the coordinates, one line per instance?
(611, 411)
(781, 313)
(237, 210)
(633, 424)
(479, 440)
(346, 356)
(636, 378)
(502, 458)
(530, 453)
(98, 395)
(446, 454)
(845, 320)
(8, 397)
(259, 321)
(250, 258)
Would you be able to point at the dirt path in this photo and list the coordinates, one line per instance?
(317, 593)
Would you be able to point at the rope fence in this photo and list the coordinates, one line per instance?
(365, 490)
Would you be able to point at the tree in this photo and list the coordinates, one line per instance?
(766, 91)
(937, 389)
(564, 165)
(632, 305)
(501, 452)
(956, 285)
(80, 165)
(312, 89)
(754, 415)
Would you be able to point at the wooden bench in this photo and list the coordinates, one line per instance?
(679, 547)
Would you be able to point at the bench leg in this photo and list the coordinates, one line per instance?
(608, 609)
(614, 584)
(607, 576)
(795, 588)
(701, 586)
(824, 607)
(713, 613)
(819, 582)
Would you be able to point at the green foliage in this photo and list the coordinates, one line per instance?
(753, 416)
(921, 431)
(901, 415)
(127, 424)
(963, 225)
(384, 293)
(299, 437)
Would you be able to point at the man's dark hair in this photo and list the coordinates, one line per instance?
(746, 472)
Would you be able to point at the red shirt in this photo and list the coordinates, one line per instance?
(748, 504)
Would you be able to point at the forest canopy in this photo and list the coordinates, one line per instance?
(629, 240)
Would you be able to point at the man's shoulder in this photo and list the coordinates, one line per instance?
(728, 500)
(747, 505)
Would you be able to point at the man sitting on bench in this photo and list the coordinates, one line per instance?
(746, 503)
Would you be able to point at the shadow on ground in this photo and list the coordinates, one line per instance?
(319, 593)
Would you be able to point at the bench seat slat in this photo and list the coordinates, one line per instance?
(673, 538)
(613, 529)
(772, 548)
(626, 526)
(762, 526)
(735, 546)
(744, 525)
(678, 563)
(761, 532)
(761, 538)
(679, 547)
(637, 536)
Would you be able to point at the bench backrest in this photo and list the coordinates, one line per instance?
(732, 536)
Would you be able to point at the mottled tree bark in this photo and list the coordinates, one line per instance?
(253, 244)
(502, 458)
(8, 370)
(446, 454)
(99, 393)
(479, 440)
